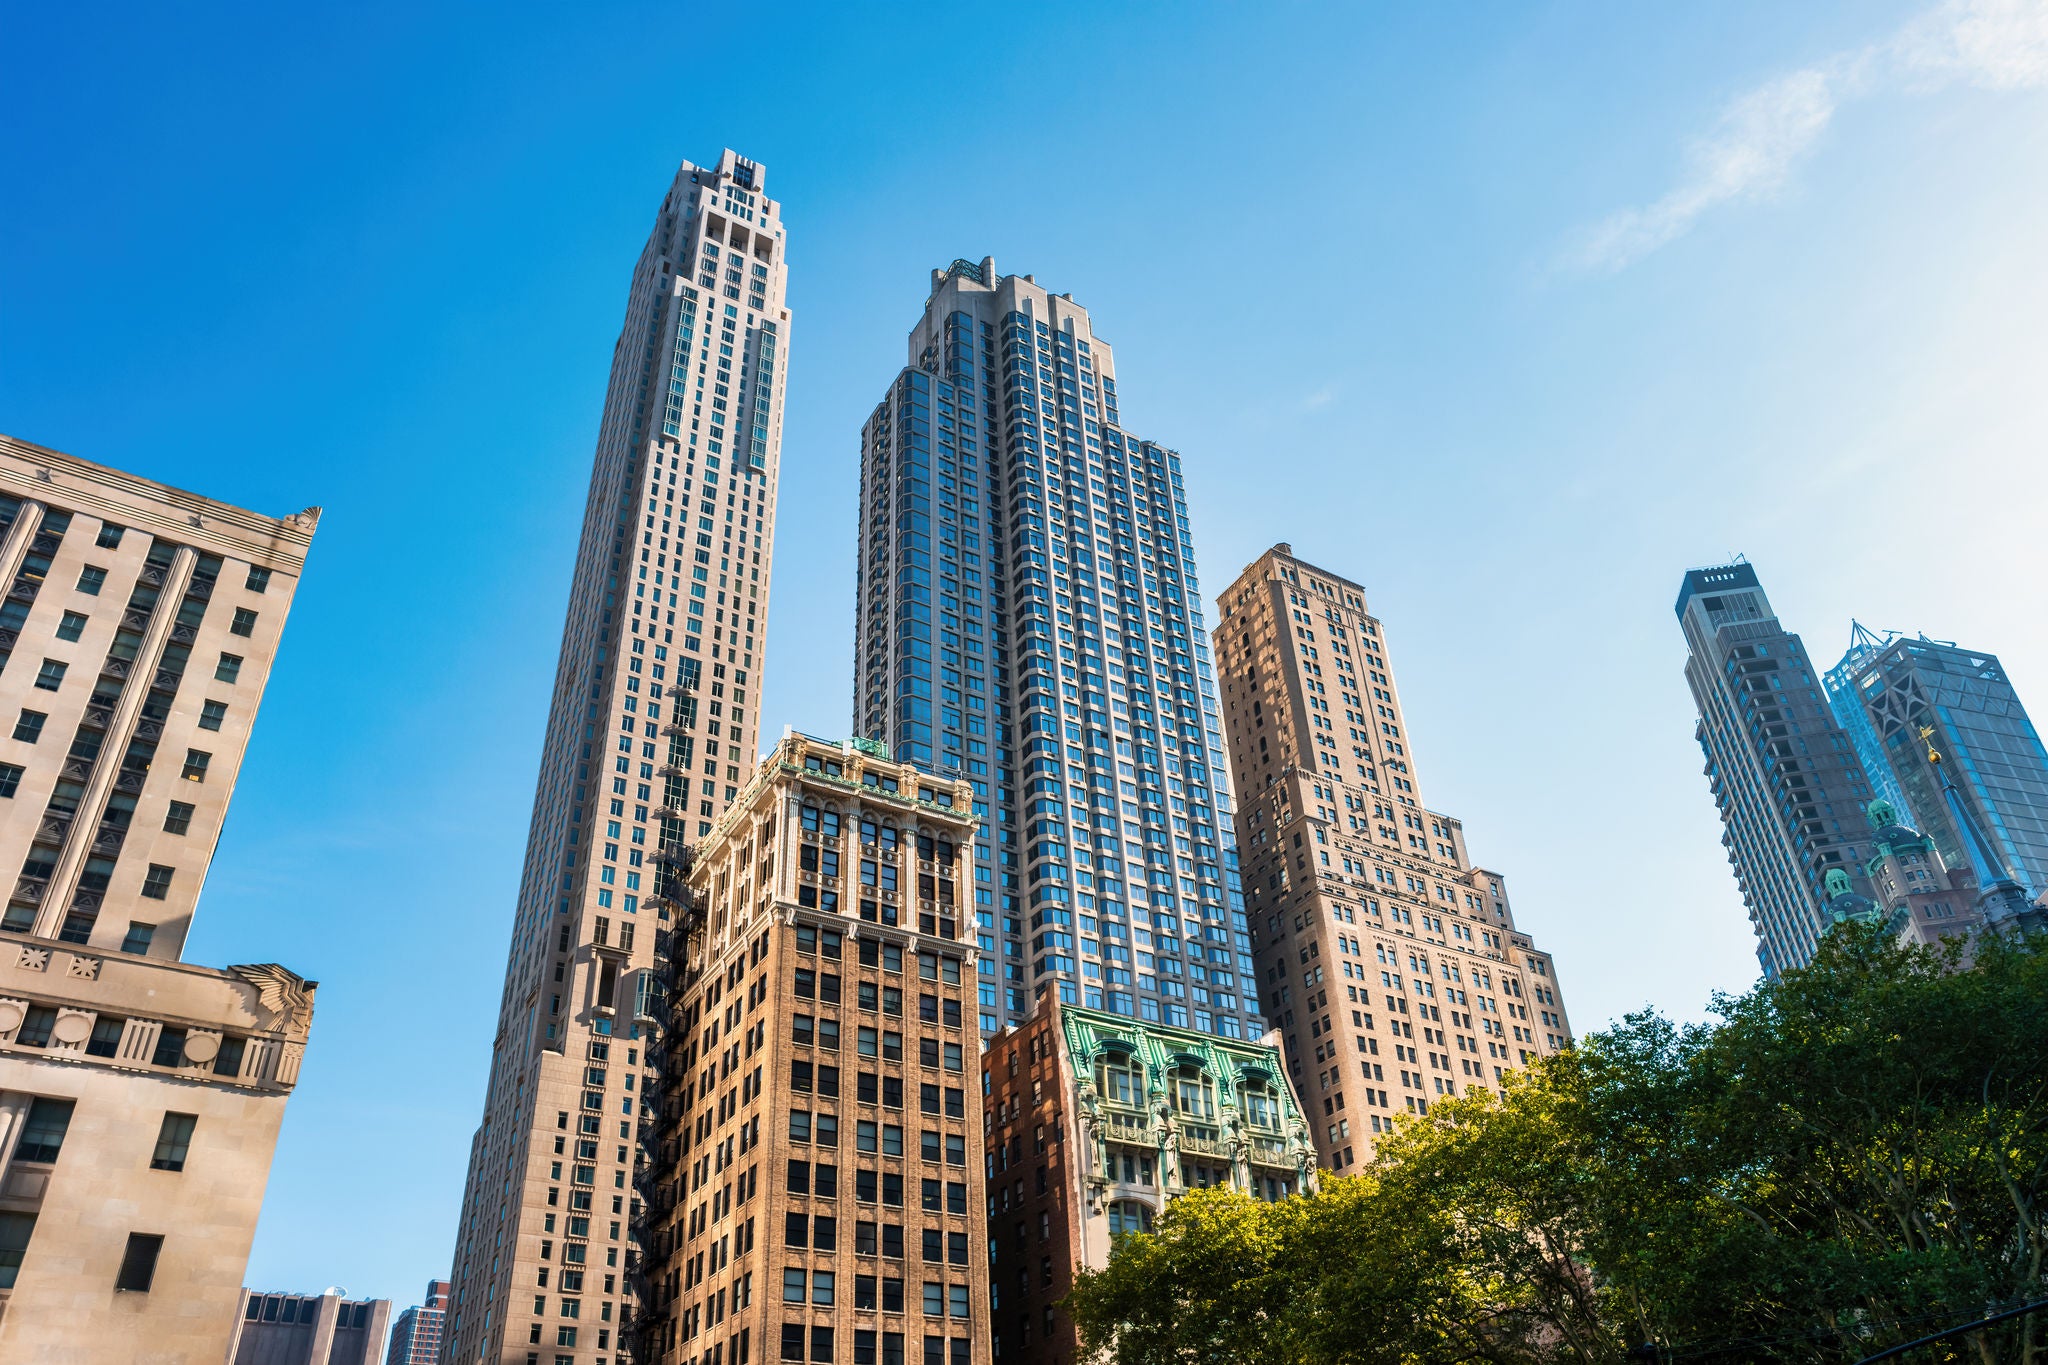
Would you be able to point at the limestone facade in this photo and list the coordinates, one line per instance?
(651, 732)
(139, 1105)
(140, 1096)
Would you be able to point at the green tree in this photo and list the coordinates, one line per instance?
(1850, 1157)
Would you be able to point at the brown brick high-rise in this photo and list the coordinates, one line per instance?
(816, 1189)
(1388, 960)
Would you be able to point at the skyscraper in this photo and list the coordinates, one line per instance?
(1785, 776)
(1027, 612)
(1913, 696)
(140, 1095)
(650, 733)
(1389, 960)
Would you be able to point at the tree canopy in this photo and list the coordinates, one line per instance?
(1847, 1158)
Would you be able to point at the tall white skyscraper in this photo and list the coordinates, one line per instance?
(651, 732)
(1028, 613)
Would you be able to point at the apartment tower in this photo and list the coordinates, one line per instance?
(416, 1334)
(1388, 960)
(1027, 613)
(1784, 774)
(650, 733)
(816, 1191)
(140, 1095)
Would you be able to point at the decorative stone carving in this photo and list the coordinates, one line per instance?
(84, 968)
(34, 959)
(12, 1012)
(282, 997)
(201, 1047)
(72, 1027)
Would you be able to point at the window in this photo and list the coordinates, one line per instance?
(156, 884)
(106, 1037)
(793, 1285)
(244, 622)
(821, 1344)
(42, 1137)
(195, 765)
(792, 1341)
(52, 675)
(170, 1048)
(109, 536)
(90, 579)
(10, 778)
(212, 714)
(14, 1234)
(259, 578)
(138, 1263)
(228, 1061)
(228, 669)
(173, 1141)
(35, 1026)
(30, 727)
(71, 626)
(137, 941)
(178, 819)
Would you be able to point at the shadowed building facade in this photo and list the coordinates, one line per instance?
(140, 1096)
(1389, 962)
(650, 733)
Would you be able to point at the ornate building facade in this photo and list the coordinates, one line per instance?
(1095, 1121)
(814, 1189)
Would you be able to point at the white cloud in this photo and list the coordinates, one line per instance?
(1762, 135)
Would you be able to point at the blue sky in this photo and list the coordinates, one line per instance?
(1547, 303)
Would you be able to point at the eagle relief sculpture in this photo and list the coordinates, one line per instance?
(284, 998)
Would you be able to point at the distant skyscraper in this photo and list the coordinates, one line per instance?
(1915, 695)
(1389, 961)
(416, 1336)
(1027, 612)
(1784, 774)
(309, 1329)
(650, 733)
(140, 1095)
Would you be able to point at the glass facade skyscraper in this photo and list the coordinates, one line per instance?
(1900, 687)
(1028, 613)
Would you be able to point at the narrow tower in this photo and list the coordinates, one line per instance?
(1784, 774)
(1388, 960)
(1027, 613)
(650, 734)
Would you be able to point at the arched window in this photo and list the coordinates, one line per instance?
(1194, 1093)
(1120, 1078)
(1128, 1215)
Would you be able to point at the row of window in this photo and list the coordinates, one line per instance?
(40, 1022)
(873, 1348)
